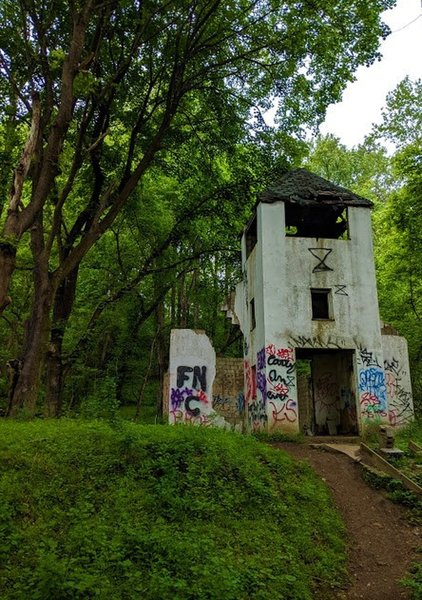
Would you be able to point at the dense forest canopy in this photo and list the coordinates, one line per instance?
(133, 145)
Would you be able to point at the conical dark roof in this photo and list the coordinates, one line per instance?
(302, 187)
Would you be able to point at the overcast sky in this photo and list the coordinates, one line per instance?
(363, 99)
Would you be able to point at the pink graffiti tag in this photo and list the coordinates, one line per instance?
(250, 381)
(392, 417)
(202, 397)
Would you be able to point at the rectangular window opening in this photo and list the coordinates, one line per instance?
(317, 221)
(321, 304)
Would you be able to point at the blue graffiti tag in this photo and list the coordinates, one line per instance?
(372, 380)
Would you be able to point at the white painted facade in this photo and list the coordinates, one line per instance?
(347, 347)
(192, 373)
(397, 379)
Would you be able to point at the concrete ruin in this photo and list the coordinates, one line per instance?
(315, 358)
(200, 388)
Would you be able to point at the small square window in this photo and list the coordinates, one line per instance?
(321, 304)
(252, 313)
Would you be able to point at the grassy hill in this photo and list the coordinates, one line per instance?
(154, 512)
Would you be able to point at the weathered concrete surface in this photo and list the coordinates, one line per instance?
(397, 379)
(200, 389)
(192, 372)
(274, 308)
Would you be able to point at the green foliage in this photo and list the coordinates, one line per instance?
(89, 510)
(398, 224)
(414, 580)
(412, 431)
(394, 184)
(102, 403)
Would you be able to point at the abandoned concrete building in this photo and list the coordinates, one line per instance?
(316, 357)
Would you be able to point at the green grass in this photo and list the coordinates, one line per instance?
(88, 510)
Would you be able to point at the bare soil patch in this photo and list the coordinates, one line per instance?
(381, 541)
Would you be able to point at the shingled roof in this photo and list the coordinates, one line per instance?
(302, 187)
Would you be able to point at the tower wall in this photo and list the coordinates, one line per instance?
(279, 275)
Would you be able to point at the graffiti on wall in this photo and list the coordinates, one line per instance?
(188, 400)
(340, 290)
(257, 415)
(321, 254)
(257, 406)
(400, 408)
(330, 341)
(279, 364)
(229, 406)
(372, 388)
(326, 405)
(250, 381)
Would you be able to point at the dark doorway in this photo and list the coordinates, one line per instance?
(326, 394)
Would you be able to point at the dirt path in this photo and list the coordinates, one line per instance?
(382, 543)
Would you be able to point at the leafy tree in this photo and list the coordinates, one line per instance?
(104, 89)
(399, 222)
(365, 169)
(394, 183)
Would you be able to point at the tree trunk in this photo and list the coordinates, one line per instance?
(23, 396)
(63, 304)
(7, 266)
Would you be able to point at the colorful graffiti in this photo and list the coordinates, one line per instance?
(257, 409)
(371, 385)
(250, 381)
(188, 400)
(372, 382)
(400, 406)
(279, 383)
(257, 414)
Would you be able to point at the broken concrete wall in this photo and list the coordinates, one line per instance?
(192, 372)
(201, 389)
(397, 380)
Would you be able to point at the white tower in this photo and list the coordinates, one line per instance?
(308, 306)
